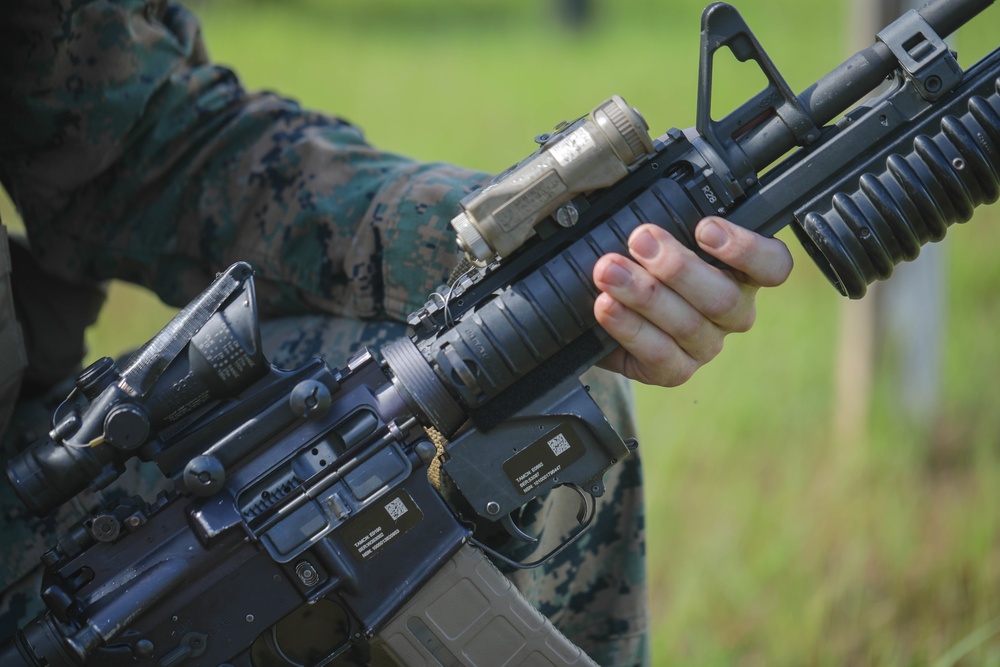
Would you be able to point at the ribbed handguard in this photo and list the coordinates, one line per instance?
(470, 614)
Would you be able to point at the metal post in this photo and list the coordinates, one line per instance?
(899, 325)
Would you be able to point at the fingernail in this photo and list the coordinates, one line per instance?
(617, 276)
(711, 234)
(642, 245)
(609, 305)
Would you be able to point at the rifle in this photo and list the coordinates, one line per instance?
(303, 494)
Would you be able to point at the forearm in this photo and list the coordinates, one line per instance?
(131, 156)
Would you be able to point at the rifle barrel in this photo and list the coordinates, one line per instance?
(850, 82)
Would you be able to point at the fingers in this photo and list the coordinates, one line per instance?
(669, 310)
(673, 289)
(645, 353)
(663, 337)
(765, 262)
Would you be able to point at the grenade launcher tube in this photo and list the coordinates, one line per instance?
(908, 192)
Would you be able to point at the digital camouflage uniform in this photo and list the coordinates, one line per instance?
(130, 156)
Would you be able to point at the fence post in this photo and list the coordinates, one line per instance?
(898, 326)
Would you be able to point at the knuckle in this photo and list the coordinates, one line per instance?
(662, 358)
(688, 328)
(670, 266)
(679, 374)
(746, 321)
(713, 346)
(670, 370)
(728, 301)
(660, 365)
(626, 327)
(706, 348)
(766, 263)
(632, 330)
(781, 267)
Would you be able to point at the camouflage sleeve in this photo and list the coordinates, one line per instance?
(131, 156)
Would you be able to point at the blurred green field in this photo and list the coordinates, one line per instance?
(771, 542)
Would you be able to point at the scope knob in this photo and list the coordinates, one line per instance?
(126, 426)
(204, 475)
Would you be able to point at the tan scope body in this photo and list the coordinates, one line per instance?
(591, 153)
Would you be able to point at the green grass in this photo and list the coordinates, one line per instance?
(771, 541)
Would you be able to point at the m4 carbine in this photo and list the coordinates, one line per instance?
(302, 496)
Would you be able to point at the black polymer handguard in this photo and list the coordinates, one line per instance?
(309, 486)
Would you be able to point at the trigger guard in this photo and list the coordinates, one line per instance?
(585, 518)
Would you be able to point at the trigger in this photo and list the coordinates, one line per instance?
(588, 505)
(515, 531)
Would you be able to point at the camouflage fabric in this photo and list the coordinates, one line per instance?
(131, 156)
(13, 358)
(134, 158)
(54, 314)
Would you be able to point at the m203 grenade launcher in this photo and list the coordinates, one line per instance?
(301, 498)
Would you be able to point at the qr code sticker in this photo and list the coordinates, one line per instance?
(396, 509)
(558, 444)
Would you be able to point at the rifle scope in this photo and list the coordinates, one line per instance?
(209, 350)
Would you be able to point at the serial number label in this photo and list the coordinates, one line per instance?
(377, 526)
(570, 148)
(543, 460)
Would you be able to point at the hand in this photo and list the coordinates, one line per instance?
(669, 310)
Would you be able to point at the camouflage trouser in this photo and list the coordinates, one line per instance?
(594, 591)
